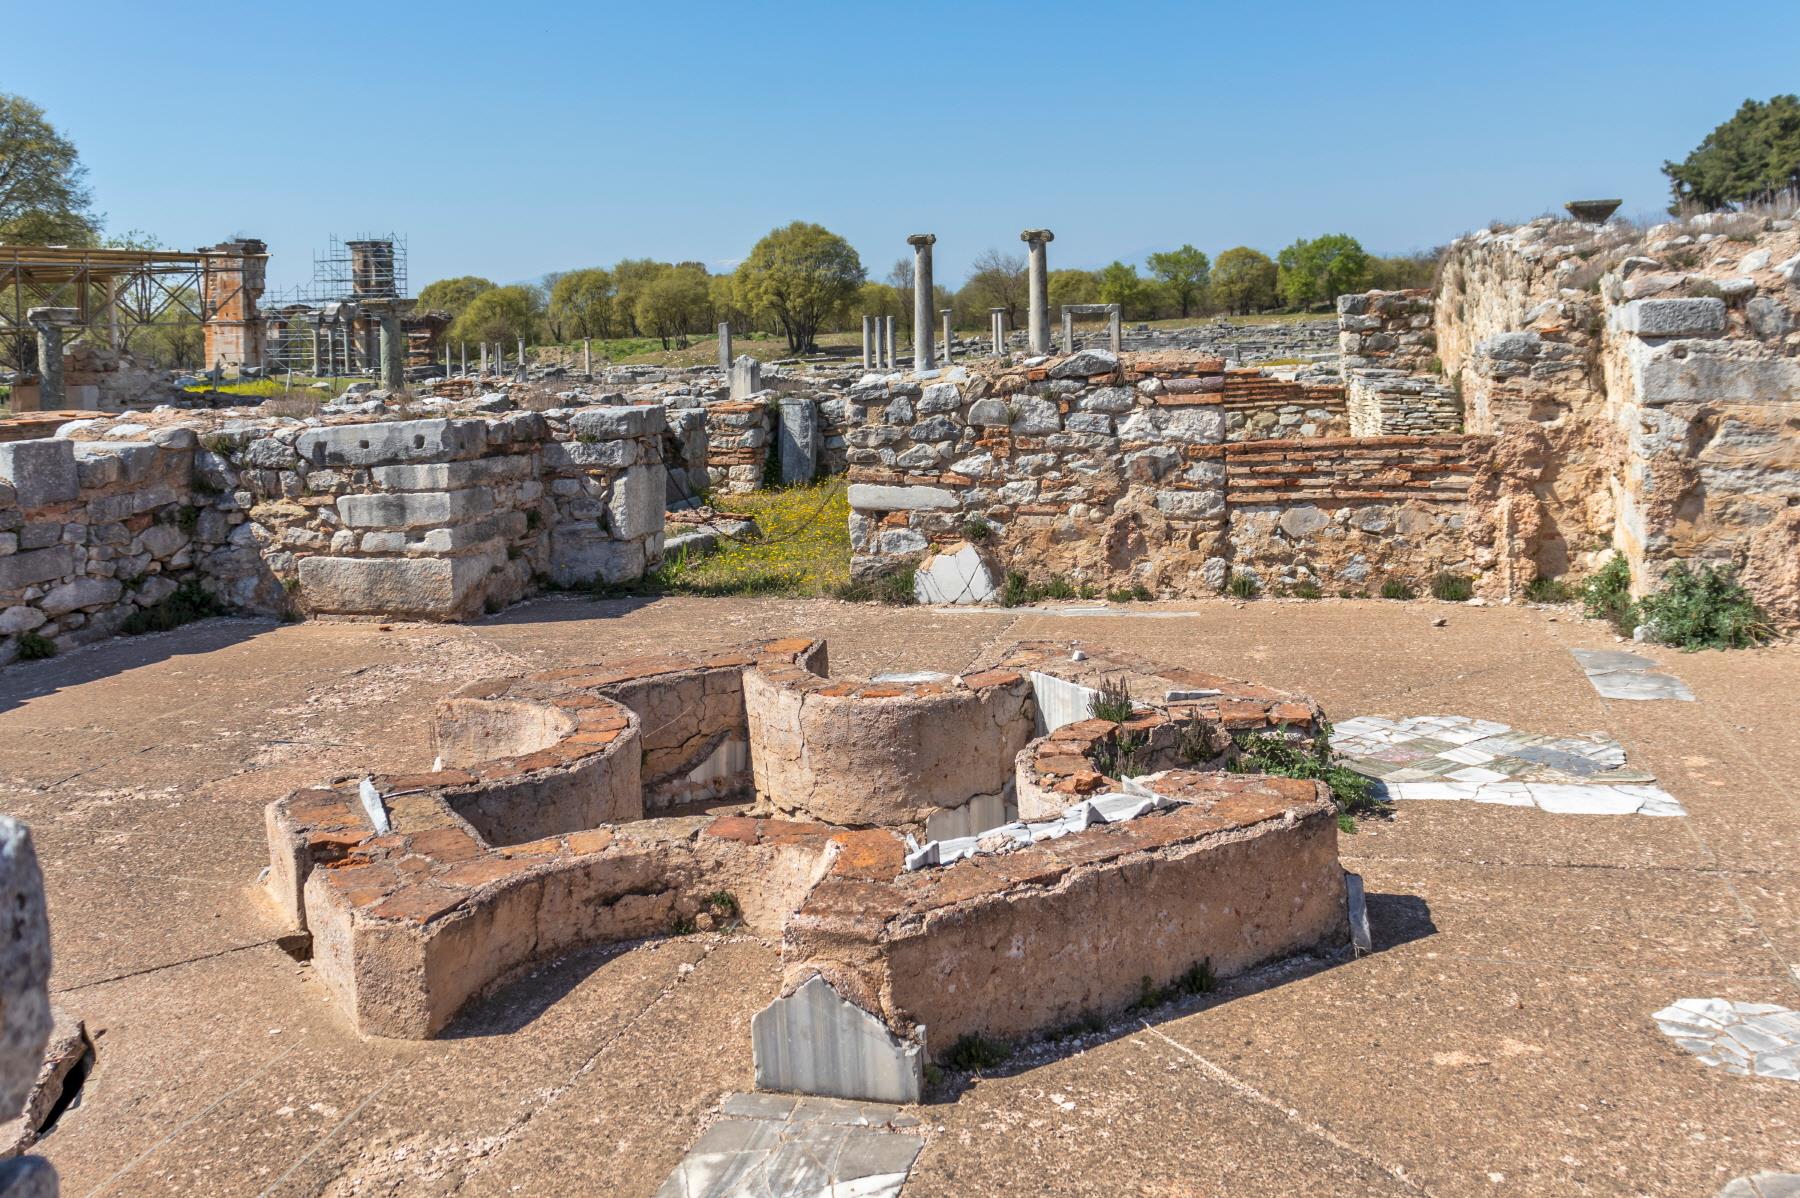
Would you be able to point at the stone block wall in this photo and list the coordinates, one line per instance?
(1084, 465)
(94, 532)
(434, 519)
(737, 436)
(1118, 472)
(441, 518)
(1347, 514)
(1644, 390)
(1384, 403)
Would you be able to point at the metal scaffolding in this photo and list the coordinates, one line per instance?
(319, 328)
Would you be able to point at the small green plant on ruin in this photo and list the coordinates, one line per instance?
(1607, 596)
(189, 602)
(1112, 702)
(723, 906)
(1548, 590)
(1242, 586)
(1198, 979)
(1704, 607)
(974, 1051)
(682, 925)
(1118, 756)
(1396, 588)
(1274, 753)
(1306, 589)
(34, 647)
(1452, 588)
(977, 531)
(1088, 1023)
(1193, 743)
(895, 588)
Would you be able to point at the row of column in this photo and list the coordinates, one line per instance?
(877, 329)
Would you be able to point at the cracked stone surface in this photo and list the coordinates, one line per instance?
(1616, 674)
(1764, 1185)
(1453, 758)
(789, 1147)
(1750, 1038)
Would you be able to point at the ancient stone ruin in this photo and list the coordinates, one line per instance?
(936, 853)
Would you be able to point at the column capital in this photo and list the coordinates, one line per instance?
(1037, 236)
(61, 317)
(921, 239)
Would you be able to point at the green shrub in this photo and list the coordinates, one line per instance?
(1059, 588)
(1306, 589)
(1548, 590)
(976, 1051)
(1142, 593)
(1242, 586)
(1704, 608)
(33, 647)
(1607, 595)
(1119, 595)
(1453, 588)
(189, 602)
(1396, 588)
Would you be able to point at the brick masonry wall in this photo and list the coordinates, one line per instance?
(1260, 406)
(1388, 353)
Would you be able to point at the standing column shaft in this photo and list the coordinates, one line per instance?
(1115, 329)
(393, 350)
(868, 342)
(1039, 279)
(48, 323)
(1068, 342)
(462, 353)
(587, 356)
(521, 357)
(891, 322)
(946, 315)
(923, 300)
(725, 345)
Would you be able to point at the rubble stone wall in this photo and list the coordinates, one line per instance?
(1116, 473)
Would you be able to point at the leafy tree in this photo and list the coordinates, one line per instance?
(879, 299)
(803, 273)
(900, 280)
(1243, 280)
(1185, 273)
(1119, 284)
(581, 302)
(499, 314)
(1404, 271)
(630, 277)
(1745, 160)
(998, 280)
(1072, 287)
(452, 295)
(43, 194)
(1320, 270)
(674, 303)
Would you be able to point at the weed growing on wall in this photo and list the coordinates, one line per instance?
(1704, 608)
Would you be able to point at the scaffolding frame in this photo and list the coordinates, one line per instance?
(115, 293)
(318, 328)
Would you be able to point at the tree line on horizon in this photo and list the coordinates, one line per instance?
(802, 279)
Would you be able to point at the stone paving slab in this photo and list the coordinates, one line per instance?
(1456, 759)
(1619, 675)
(1764, 1185)
(1752, 1039)
(783, 1146)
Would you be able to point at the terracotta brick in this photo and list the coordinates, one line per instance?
(591, 841)
(445, 844)
(735, 827)
(482, 870)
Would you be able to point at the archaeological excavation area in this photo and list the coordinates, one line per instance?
(1182, 830)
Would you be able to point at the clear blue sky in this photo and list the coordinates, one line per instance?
(508, 140)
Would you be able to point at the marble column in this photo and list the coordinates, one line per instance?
(1038, 274)
(923, 357)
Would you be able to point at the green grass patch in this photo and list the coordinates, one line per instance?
(1452, 588)
(1395, 588)
(1704, 607)
(1242, 586)
(1548, 590)
(1112, 702)
(801, 549)
(1018, 590)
